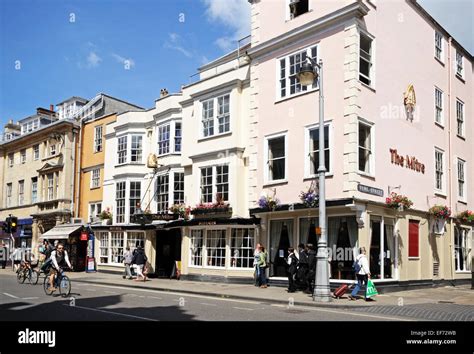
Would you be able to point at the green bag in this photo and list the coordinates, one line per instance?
(371, 291)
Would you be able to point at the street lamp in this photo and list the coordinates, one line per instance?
(308, 73)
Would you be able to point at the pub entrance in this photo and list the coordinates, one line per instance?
(168, 252)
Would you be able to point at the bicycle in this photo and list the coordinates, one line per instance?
(61, 282)
(27, 271)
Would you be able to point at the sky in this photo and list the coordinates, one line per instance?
(51, 50)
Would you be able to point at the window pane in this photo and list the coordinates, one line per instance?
(242, 248)
(215, 247)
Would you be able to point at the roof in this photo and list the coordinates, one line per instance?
(225, 58)
(73, 98)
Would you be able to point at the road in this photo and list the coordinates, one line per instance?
(25, 302)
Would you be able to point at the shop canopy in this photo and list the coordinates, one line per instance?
(61, 232)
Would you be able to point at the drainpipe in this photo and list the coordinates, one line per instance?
(450, 162)
(78, 170)
(74, 167)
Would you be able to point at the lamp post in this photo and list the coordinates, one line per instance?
(307, 74)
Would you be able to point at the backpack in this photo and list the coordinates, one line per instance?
(356, 267)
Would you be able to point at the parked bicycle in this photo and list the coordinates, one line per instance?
(61, 282)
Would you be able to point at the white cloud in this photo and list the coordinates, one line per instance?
(176, 43)
(93, 60)
(129, 62)
(233, 14)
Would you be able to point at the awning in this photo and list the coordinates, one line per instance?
(60, 232)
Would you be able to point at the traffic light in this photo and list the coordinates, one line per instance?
(13, 224)
(6, 226)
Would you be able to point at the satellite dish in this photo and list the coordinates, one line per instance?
(152, 161)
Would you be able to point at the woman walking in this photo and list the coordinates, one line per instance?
(361, 267)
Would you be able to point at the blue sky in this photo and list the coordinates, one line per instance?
(53, 49)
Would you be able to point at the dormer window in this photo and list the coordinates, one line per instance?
(298, 7)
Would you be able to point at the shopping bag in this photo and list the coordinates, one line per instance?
(371, 291)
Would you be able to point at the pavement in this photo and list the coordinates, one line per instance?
(102, 296)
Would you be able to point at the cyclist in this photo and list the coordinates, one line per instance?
(59, 259)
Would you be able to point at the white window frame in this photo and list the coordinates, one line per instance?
(286, 58)
(467, 232)
(98, 138)
(307, 152)
(173, 191)
(21, 192)
(288, 13)
(128, 202)
(441, 191)
(36, 152)
(171, 124)
(460, 118)
(11, 159)
(161, 131)
(93, 210)
(201, 185)
(266, 154)
(372, 67)
(95, 178)
(372, 159)
(8, 194)
(461, 162)
(165, 194)
(122, 150)
(34, 190)
(214, 119)
(50, 186)
(205, 250)
(139, 151)
(459, 65)
(214, 182)
(23, 156)
(441, 108)
(441, 54)
(124, 198)
(176, 137)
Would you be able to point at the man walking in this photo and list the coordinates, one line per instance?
(127, 260)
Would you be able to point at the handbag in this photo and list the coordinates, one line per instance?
(370, 290)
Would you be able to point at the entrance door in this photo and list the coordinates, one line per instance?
(168, 251)
(281, 234)
(382, 255)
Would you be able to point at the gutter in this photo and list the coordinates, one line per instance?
(77, 166)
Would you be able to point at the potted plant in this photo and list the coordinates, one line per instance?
(106, 217)
(398, 201)
(267, 202)
(181, 210)
(310, 198)
(219, 207)
(439, 214)
(466, 216)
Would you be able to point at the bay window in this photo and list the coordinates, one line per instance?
(215, 112)
(136, 149)
(134, 197)
(214, 180)
(120, 189)
(122, 150)
(163, 139)
(162, 184)
(169, 138)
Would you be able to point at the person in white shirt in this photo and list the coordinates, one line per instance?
(59, 259)
(362, 273)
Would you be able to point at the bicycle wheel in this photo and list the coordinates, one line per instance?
(64, 286)
(33, 277)
(20, 277)
(46, 286)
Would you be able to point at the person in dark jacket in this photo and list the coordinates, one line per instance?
(292, 262)
(139, 259)
(301, 274)
(3, 255)
(311, 267)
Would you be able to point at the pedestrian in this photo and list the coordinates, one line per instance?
(262, 264)
(292, 262)
(3, 255)
(127, 261)
(301, 273)
(140, 259)
(362, 270)
(310, 278)
(16, 258)
(256, 256)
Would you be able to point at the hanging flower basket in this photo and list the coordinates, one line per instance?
(181, 210)
(398, 201)
(106, 217)
(466, 216)
(439, 215)
(270, 203)
(310, 198)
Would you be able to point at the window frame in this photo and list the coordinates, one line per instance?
(463, 163)
(95, 180)
(460, 119)
(441, 48)
(307, 152)
(162, 193)
(122, 150)
(133, 208)
(50, 186)
(288, 12)
(372, 66)
(441, 191)
(34, 190)
(459, 74)
(96, 212)
(409, 248)
(466, 234)
(21, 192)
(371, 125)
(11, 159)
(213, 120)
(98, 139)
(136, 152)
(122, 198)
(266, 146)
(8, 195)
(36, 152)
(52, 150)
(287, 78)
(22, 156)
(440, 108)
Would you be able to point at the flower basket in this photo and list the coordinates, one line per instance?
(106, 217)
(106, 222)
(439, 215)
(181, 210)
(269, 203)
(310, 198)
(398, 202)
(466, 216)
(217, 209)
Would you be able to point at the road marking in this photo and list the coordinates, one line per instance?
(22, 307)
(155, 297)
(206, 304)
(110, 292)
(90, 290)
(10, 295)
(30, 298)
(242, 308)
(111, 312)
(360, 314)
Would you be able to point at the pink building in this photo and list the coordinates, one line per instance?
(378, 55)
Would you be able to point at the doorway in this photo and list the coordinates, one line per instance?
(168, 251)
(382, 254)
(281, 234)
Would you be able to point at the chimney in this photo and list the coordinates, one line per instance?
(163, 93)
(51, 107)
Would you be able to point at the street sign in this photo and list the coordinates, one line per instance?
(370, 190)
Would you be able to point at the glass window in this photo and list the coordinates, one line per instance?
(95, 178)
(298, 8)
(365, 148)
(462, 250)
(23, 156)
(461, 180)
(116, 247)
(94, 210)
(21, 192)
(215, 248)
(439, 169)
(103, 238)
(208, 118)
(162, 184)
(136, 151)
(223, 113)
(459, 64)
(35, 152)
(281, 237)
(177, 137)
(178, 192)
(98, 138)
(276, 158)
(365, 59)
(135, 197)
(242, 248)
(164, 139)
(50, 178)
(34, 190)
(206, 185)
(314, 150)
(460, 117)
(439, 46)
(10, 160)
(120, 202)
(196, 247)
(9, 194)
(122, 150)
(134, 239)
(439, 106)
(222, 181)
